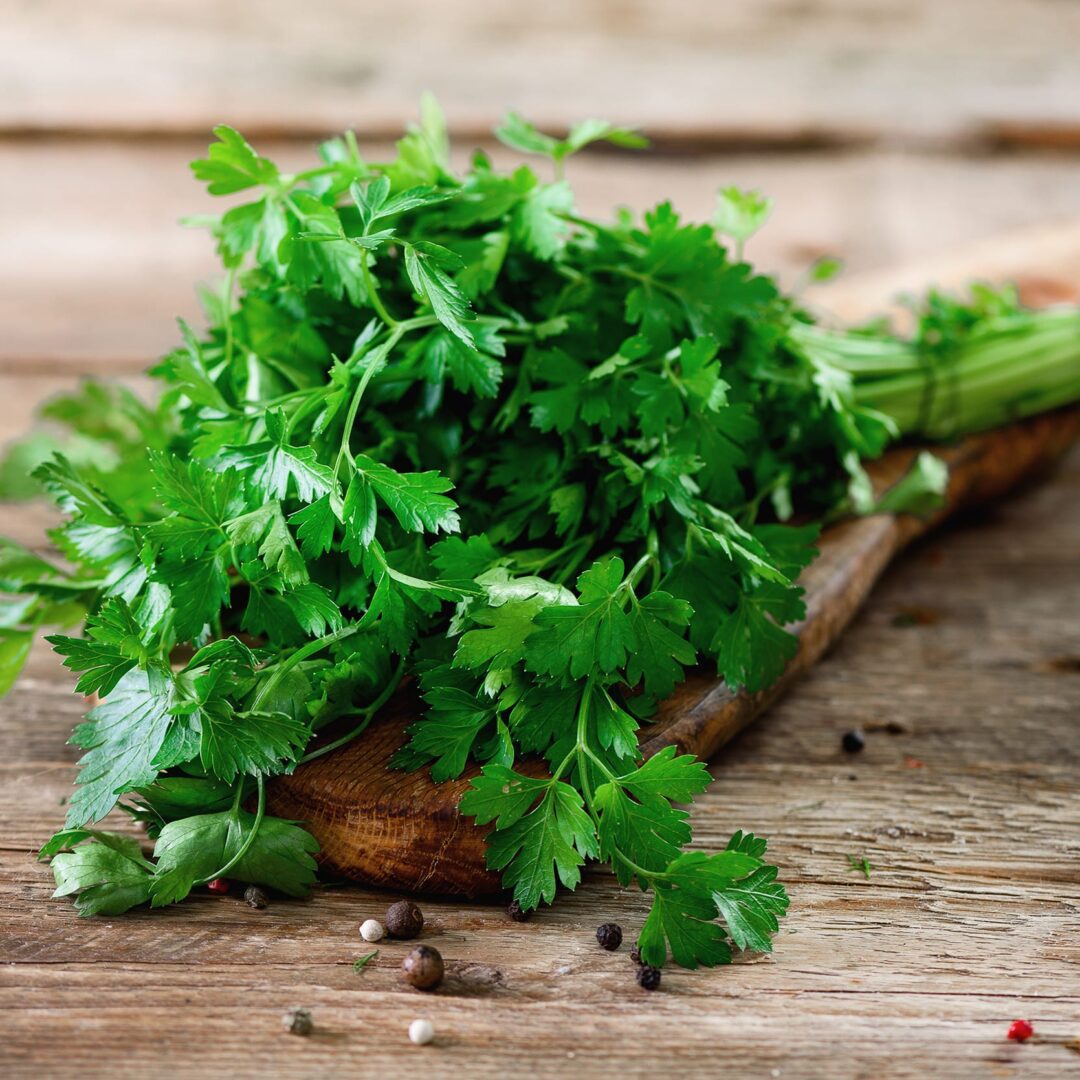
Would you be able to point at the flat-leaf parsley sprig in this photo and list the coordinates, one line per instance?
(444, 426)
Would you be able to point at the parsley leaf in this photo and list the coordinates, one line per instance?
(232, 165)
(440, 426)
(416, 499)
(112, 647)
(121, 737)
(192, 849)
(426, 264)
(106, 876)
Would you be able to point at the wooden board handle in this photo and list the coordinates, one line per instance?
(403, 831)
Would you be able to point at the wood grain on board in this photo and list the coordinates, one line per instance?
(772, 72)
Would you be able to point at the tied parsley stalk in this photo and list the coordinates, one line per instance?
(629, 420)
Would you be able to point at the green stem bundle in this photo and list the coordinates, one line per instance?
(1007, 368)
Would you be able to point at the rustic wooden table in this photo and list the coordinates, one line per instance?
(886, 131)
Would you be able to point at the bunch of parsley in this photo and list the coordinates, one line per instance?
(443, 427)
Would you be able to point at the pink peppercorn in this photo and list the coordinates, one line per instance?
(1020, 1030)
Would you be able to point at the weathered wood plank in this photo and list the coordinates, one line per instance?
(97, 266)
(971, 915)
(765, 1036)
(968, 811)
(817, 70)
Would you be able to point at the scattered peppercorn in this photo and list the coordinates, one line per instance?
(421, 1032)
(255, 897)
(404, 919)
(1021, 1030)
(648, 977)
(609, 936)
(218, 885)
(372, 930)
(423, 968)
(298, 1021)
(635, 955)
(517, 912)
(853, 741)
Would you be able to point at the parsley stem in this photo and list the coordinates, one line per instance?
(584, 752)
(368, 712)
(286, 665)
(373, 295)
(354, 405)
(226, 311)
(260, 810)
(582, 725)
(639, 568)
(585, 542)
(311, 402)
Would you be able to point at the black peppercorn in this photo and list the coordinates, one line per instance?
(648, 977)
(609, 936)
(423, 968)
(853, 741)
(298, 1021)
(517, 912)
(255, 897)
(635, 955)
(404, 919)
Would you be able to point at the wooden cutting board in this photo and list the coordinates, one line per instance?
(402, 831)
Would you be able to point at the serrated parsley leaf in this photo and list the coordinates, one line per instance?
(121, 737)
(193, 848)
(501, 795)
(499, 636)
(274, 463)
(455, 719)
(233, 741)
(595, 633)
(112, 647)
(751, 650)
(315, 525)
(669, 774)
(232, 165)
(415, 499)
(660, 652)
(250, 743)
(107, 875)
(751, 907)
(684, 921)
(426, 264)
(540, 219)
(201, 501)
(532, 848)
(650, 832)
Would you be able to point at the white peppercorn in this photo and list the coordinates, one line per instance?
(372, 930)
(421, 1032)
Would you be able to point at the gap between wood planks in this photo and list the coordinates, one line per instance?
(768, 73)
(673, 142)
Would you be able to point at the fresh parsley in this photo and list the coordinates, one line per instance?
(362, 962)
(445, 426)
(860, 865)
